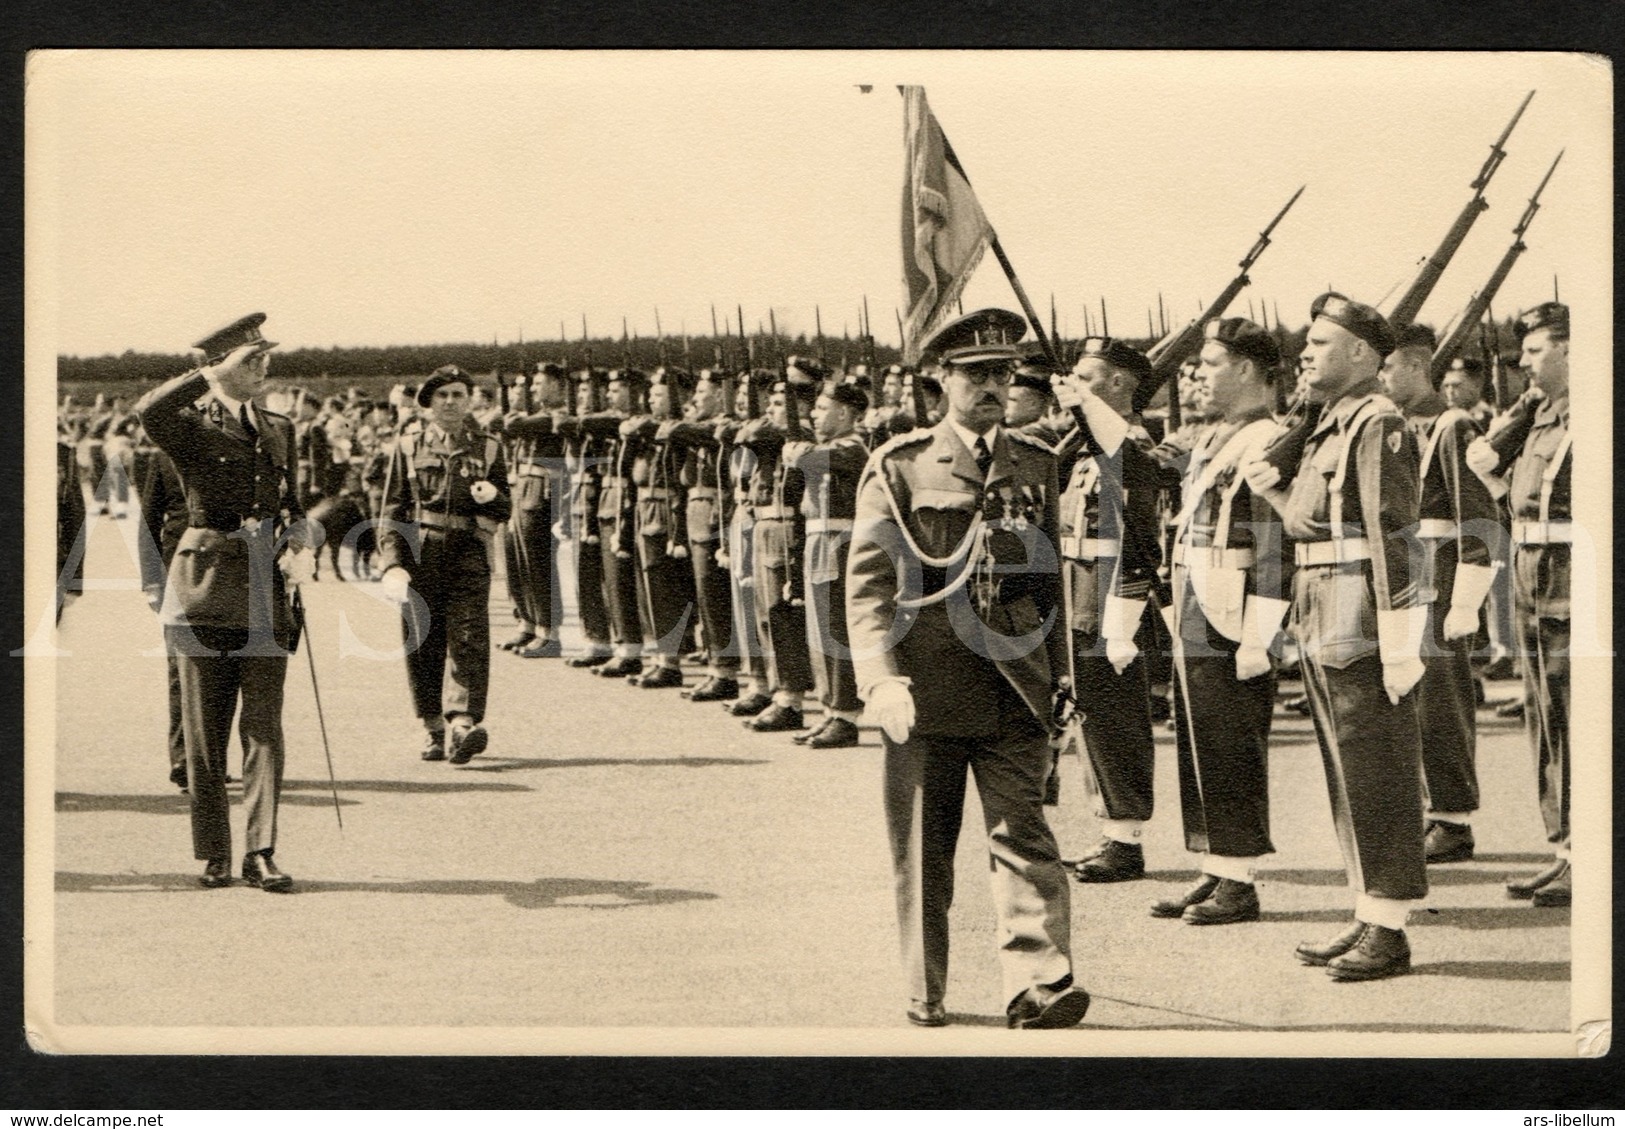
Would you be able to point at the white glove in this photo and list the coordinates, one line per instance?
(723, 559)
(1466, 596)
(396, 585)
(482, 491)
(890, 705)
(1119, 620)
(1481, 457)
(299, 567)
(1260, 623)
(1399, 641)
(1262, 477)
(559, 532)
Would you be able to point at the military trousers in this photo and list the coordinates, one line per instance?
(177, 723)
(665, 596)
(1448, 700)
(1545, 648)
(213, 682)
(1116, 730)
(827, 633)
(532, 571)
(448, 636)
(712, 584)
(781, 626)
(620, 588)
(1222, 732)
(1371, 748)
(742, 592)
(591, 600)
(925, 797)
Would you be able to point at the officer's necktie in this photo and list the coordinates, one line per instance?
(247, 421)
(984, 457)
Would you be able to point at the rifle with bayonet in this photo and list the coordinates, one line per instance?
(1480, 302)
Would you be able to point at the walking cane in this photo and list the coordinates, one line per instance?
(321, 720)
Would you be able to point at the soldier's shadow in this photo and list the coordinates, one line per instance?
(454, 784)
(527, 764)
(1544, 971)
(543, 893)
(1437, 876)
(168, 803)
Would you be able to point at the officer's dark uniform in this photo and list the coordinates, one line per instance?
(1109, 523)
(952, 584)
(698, 449)
(164, 519)
(584, 458)
(536, 475)
(665, 573)
(432, 529)
(831, 471)
(226, 613)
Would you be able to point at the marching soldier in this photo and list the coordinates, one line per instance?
(740, 501)
(226, 614)
(447, 492)
(1349, 509)
(1457, 514)
(1231, 566)
(950, 586)
(779, 543)
(1109, 528)
(665, 574)
(1533, 441)
(585, 462)
(831, 469)
(696, 444)
(536, 470)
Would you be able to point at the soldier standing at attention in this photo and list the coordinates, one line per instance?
(1109, 526)
(1032, 400)
(952, 596)
(537, 472)
(226, 613)
(1456, 514)
(831, 469)
(738, 463)
(695, 444)
(1360, 616)
(584, 460)
(446, 493)
(1532, 439)
(1231, 566)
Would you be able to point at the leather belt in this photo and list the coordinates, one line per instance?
(445, 521)
(1436, 528)
(702, 493)
(1089, 548)
(774, 513)
(532, 470)
(1340, 551)
(654, 493)
(1542, 532)
(252, 525)
(1214, 556)
(829, 524)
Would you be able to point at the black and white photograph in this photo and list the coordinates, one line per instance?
(828, 553)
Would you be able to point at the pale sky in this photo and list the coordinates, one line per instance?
(375, 198)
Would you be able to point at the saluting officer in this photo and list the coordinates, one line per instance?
(536, 474)
(446, 493)
(226, 613)
(1457, 518)
(952, 593)
(1231, 566)
(1540, 494)
(831, 469)
(1349, 511)
(698, 449)
(1109, 527)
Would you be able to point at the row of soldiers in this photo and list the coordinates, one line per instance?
(1384, 531)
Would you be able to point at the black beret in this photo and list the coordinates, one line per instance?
(1119, 354)
(1356, 317)
(1471, 366)
(986, 335)
(442, 376)
(804, 390)
(851, 395)
(810, 368)
(896, 370)
(1036, 370)
(635, 377)
(243, 331)
(672, 376)
(928, 382)
(548, 368)
(1244, 338)
(592, 376)
(1548, 315)
(1413, 335)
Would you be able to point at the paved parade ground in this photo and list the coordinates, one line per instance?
(624, 858)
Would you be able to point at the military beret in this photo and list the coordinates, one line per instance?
(851, 395)
(764, 379)
(1356, 317)
(1553, 316)
(859, 370)
(592, 376)
(1471, 367)
(928, 382)
(548, 368)
(986, 335)
(243, 331)
(1413, 336)
(635, 377)
(806, 368)
(1119, 354)
(1244, 338)
(804, 390)
(1035, 370)
(439, 378)
(672, 376)
(896, 370)
(858, 378)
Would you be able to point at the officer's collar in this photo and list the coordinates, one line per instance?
(969, 437)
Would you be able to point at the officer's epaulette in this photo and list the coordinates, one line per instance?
(907, 439)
